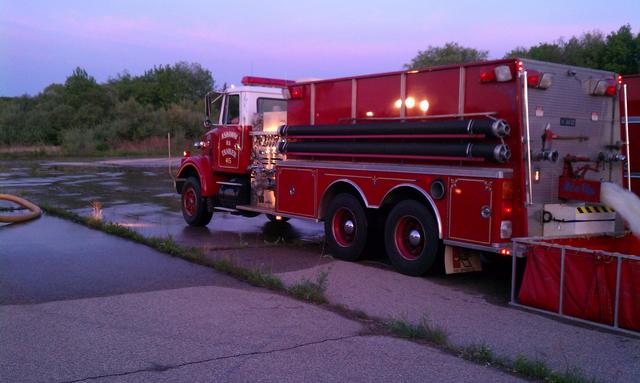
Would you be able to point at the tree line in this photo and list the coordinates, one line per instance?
(84, 116)
(618, 51)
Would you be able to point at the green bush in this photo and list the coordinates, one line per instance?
(79, 141)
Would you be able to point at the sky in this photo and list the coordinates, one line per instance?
(41, 42)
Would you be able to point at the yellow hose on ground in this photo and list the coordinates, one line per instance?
(34, 211)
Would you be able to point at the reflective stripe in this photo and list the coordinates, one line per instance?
(594, 209)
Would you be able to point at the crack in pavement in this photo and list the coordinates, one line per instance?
(162, 368)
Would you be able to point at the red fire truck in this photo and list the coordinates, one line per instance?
(633, 107)
(448, 161)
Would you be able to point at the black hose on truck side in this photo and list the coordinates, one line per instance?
(490, 152)
(491, 128)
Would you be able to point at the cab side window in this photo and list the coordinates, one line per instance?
(232, 110)
(271, 105)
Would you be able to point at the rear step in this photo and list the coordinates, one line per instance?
(256, 209)
(225, 209)
(229, 183)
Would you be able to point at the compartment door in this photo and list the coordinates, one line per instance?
(296, 191)
(470, 210)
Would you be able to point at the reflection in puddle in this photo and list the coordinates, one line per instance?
(138, 224)
(97, 210)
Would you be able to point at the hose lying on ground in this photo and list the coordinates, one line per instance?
(34, 211)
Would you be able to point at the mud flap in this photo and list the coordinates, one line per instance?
(457, 260)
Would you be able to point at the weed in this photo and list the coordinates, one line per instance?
(256, 277)
(361, 315)
(531, 368)
(571, 375)
(423, 330)
(311, 291)
(479, 353)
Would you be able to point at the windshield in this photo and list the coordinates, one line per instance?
(232, 109)
(215, 107)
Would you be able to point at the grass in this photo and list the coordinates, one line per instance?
(482, 354)
(532, 368)
(313, 292)
(256, 277)
(55, 152)
(571, 375)
(424, 330)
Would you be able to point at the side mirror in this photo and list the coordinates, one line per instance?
(207, 123)
(207, 106)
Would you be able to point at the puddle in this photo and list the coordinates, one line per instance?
(142, 199)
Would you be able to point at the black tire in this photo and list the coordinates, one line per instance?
(194, 205)
(273, 219)
(375, 234)
(411, 238)
(345, 227)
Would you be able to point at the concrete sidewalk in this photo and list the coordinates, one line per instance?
(470, 319)
(199, 326)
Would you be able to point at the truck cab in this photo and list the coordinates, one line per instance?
(216, 175)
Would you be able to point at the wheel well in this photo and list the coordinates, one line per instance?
(408, 192)
(187, 172)
(335, 189)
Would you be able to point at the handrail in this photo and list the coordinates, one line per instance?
(526, 126)
(627, 138)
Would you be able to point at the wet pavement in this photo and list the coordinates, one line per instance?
(139, 194)
(79, 305)
(51, 259)
(471, 308)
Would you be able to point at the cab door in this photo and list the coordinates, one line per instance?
(229, 134)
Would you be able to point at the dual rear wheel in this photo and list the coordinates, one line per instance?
(410, 233)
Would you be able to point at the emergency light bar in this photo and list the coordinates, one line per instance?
(293, 93)
(606, 87)
(264, 81)
(539, 80)
(500, 73)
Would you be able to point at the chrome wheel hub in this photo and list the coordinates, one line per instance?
(348, 226)
(414, 237)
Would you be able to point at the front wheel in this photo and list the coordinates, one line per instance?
(411, 238)
(194, 207)
(345, 227)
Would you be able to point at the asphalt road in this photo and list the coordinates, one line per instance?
(472, 309)
(78, 305)
(51, 259)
